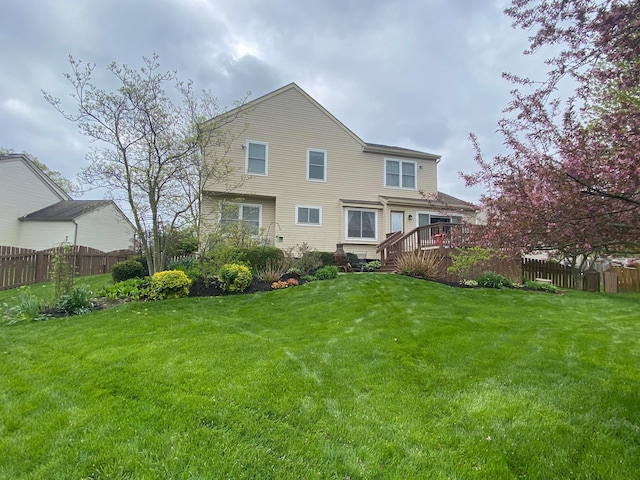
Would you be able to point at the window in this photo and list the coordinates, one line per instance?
(249, 215)
(400, 174)
(316, 165)
(425, 218)
(361, 224)
(308, 215)
(257, 158)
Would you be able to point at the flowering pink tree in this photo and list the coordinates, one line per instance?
(571, 179)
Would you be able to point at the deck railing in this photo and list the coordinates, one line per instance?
(424, 237)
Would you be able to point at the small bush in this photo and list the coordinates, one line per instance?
(127, 269)
(169, 284)
(326, 258)
(132, 289)
(190, 266)
(494, 280)
(420, 264)
(257, 258)
(305, 258)
(326, 273)
(309, 278)
(76, 302)
(234, 277)
(540, 286)
(371, 266)
(273, 271)
(28, 307)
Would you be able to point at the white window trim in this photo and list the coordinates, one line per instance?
(400, 187)
(346, 224)
(309, 224)
(309, 150)
(240, 206)
(266, 158)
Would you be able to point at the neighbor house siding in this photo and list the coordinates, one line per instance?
(21, 192)
(104, 229)
(291, 124)
(42, 235)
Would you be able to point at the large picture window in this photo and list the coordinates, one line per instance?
(257, 158)
(308, 215)
(249, 215)
(400, 174)
(317, 165)
(361, 224)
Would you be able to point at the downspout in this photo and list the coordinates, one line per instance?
(75, 234)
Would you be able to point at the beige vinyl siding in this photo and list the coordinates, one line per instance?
(291, 124)
(21, 192)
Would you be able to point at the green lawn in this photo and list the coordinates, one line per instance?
(363, 377)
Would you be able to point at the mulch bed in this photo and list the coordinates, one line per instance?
(202, 288)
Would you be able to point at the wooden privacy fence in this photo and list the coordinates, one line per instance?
(622, 279)
(560, 275)
(23, 266)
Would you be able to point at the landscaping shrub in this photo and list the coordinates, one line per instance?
(305, 258)
(419, 264)
(132, 289)
(540, 286)
(326, 258)
(257, 258)
(169, 284)
(127, 269)
(190, 266)
(234, 277)
(472, 259)
(371, 266)
(28, 307)
(76, 302)
(273, 271)
(494, 280)
(326, 273)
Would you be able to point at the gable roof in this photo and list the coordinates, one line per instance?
(43, 177)
(366, 147)
(66, 210)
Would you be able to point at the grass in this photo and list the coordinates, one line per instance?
(365, 376)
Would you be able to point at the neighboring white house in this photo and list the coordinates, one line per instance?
(36, 213)
(311, 179)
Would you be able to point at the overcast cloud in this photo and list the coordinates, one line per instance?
(412, 73)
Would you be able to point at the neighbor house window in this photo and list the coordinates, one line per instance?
(317, 165)
(249, 215)
(400, 174)
(361, 224)
(308, 215)
(257, 158)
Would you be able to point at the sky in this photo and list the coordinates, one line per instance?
(419, 74)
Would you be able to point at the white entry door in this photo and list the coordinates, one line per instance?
(397, 222)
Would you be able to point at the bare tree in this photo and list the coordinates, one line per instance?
(152, 145)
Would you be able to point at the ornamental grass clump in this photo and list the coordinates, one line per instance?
(494, 280)
(234, 277)
(169, 284)
(421, 264)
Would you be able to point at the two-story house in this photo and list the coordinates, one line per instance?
(311, 179)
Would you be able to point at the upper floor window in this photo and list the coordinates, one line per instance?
(308, 215)
(317, 165)
(257, 158)
(400, 174)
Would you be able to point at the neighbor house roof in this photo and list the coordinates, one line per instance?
(66, 210)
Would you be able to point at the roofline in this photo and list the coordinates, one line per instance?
(294, 86)
(425, 202)
(400, 152)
